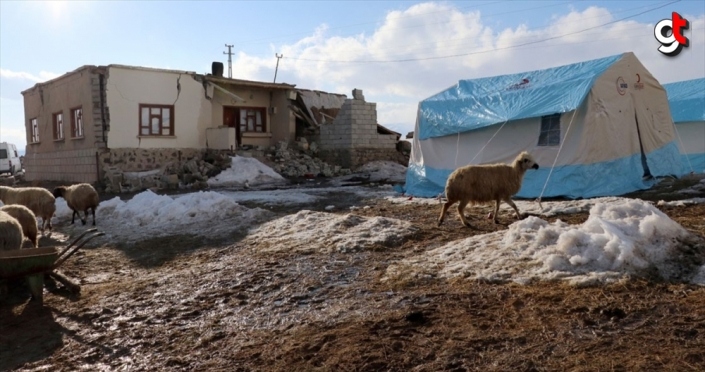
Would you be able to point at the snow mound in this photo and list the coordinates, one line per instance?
(681, 203)
(149, 215)
(243, 169)
(619, 239)
(382, 170)
(310, 231)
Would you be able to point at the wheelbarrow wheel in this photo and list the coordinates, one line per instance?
(36, 287)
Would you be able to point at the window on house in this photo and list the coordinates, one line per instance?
(550, 130)
(253, 119)
(58, 120)
(156, 120)
(34, 130)
(77, 122)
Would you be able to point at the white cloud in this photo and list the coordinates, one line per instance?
(446, 31)
(20, 75)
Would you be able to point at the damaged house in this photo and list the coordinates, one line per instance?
(98, 121)
(345, 130)
(138, 119)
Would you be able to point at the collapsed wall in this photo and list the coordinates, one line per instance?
(354, 139)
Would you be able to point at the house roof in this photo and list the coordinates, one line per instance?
(70, 73)
(687, 100)
(209, 77)
(248, 83)
(321, 107)
(477, 103)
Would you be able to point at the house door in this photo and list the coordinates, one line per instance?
(230, 119)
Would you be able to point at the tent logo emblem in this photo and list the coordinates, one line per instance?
(669, 32)
(638, 85)
(621, 86)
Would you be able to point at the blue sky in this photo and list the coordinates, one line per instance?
(41, 40)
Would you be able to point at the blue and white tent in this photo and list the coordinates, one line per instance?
(597, 127)
(687, 101)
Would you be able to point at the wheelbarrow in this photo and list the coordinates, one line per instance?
(34, 263)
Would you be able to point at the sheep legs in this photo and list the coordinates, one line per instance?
(444, 210)
(461, 209)
(83, 220)
(93, 212)
(77, 213)
(46, 223)
(496, 210)
(511, 204)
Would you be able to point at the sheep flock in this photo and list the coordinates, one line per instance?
(23, 205)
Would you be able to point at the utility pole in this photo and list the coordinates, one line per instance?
(277, 69)
(230, 60)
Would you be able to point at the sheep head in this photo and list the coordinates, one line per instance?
(59, 192)
(525, 161)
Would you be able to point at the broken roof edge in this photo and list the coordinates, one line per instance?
(389, 131)
(251, 83)
(153, 69)
(61, 77)
(321, 92)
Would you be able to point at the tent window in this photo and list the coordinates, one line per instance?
(550, 130)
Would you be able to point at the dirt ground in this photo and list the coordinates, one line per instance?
(185, 303)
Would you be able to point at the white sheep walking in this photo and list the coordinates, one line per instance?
(485, 183)
(79, 197)
(27, 220)
(39, 200)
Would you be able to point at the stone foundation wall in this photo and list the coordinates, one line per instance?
(135, 169)
(140, 160)
(71, 166)
(354, 158)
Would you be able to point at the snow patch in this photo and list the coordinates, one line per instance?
(298, 196)
(681, 203)
(148, 215)
(619, 239)
(309, 231)
(244, 169)
(382, 170)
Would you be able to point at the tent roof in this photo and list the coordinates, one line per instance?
(478, 103)
(687, 100)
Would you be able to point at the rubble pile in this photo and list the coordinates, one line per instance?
(302, 161)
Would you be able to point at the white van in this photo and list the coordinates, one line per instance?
(9, 158)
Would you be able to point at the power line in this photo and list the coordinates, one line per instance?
(434, 42)
(484, 16)
(489, 50)
(464, 43)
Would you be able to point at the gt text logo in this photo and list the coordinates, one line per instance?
(669, 32)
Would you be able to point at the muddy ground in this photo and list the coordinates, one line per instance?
(185, 303)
